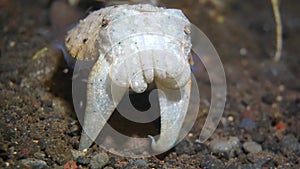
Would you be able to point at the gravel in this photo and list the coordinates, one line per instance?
(58, 151)
(141, 163)
(83, 160)
(210, 162)
(289, 144)
(34, 163)
(247, 124)
(99, 161)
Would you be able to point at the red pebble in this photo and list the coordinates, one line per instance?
(10, 124)
(70, 165)
(24, 151)
(280, 125)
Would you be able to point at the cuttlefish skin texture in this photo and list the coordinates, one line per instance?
(134, 45)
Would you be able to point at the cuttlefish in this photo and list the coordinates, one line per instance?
(134, 46)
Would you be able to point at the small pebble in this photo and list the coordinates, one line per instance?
(76, 153)
(247, 124)
(280, 126)
(243, 51)
(281, 88)
(293, 108)
(34, 163)
(39, 155)
(66, 71)
(73, 129)
(271, 145)
(211, 162)
(279, 98)
(12, 44)
(258, 137)
(252, 147)
(42, 144)
(184, 147)
(226, 147)
(141, 163)
(198, 147)
(289, 144)
(83, 160)
(230, 118)
(70, 165)
(99, 160)
(268, 99)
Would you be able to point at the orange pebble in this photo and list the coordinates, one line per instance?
(280, 125)
(70, 165)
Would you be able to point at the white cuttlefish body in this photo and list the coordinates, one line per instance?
(134, 45)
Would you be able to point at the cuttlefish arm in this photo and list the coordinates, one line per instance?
(100, 104)
(173, 104)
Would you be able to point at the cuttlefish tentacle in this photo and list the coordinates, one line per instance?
(173, 104)
(100, 103)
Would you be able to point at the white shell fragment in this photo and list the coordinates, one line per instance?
(134, 45)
